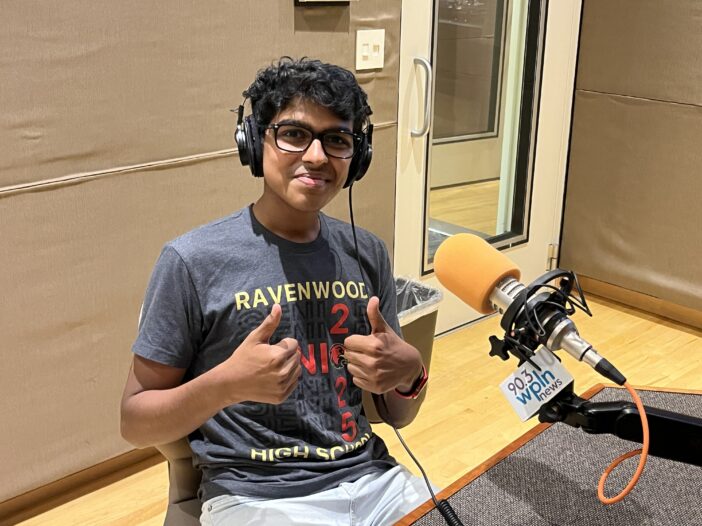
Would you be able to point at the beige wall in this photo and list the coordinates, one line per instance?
(115, 137)
(632, 214)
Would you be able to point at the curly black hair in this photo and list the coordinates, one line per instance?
(330, 86)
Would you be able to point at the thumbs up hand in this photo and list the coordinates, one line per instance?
(381, 361)
(258, 371)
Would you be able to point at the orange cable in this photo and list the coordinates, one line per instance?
(642, 461)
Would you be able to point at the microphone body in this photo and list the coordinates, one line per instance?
(561, 332)
(487, 280)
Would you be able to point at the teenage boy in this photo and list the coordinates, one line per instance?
(259, 331)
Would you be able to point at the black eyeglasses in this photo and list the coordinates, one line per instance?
(294, 138)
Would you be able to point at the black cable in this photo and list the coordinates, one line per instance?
(355, 240)
(442, 505)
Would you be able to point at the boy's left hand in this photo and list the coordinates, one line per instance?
(381, 361)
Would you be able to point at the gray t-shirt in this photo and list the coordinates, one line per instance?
(211, 287)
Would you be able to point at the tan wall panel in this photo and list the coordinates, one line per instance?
(643, 48)
(633, 211)
(92, 85)
(72, 285)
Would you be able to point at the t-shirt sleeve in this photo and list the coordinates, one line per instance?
(170, 325)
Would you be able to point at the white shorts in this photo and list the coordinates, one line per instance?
(376, 499)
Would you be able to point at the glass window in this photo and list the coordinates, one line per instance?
(487, 63)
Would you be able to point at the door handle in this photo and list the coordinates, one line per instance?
(428, 83)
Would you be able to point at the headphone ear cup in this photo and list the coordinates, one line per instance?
(360, 163)
(254, 137)
(241, 144)
(248, 142)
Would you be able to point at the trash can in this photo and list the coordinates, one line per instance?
(417, 308)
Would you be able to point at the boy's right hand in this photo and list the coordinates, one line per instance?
(258, 371)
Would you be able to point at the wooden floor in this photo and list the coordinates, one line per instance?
(472, 206)
(464, 420)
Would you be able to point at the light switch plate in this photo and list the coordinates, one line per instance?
(370, 49)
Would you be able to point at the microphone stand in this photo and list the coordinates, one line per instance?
(531, 319)
(673, 435)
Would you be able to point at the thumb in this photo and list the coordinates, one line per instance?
(375, 318)
(289, 344)
(263, 333)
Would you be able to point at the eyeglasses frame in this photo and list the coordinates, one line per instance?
(357, 138)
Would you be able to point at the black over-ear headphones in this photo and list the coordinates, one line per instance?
(249, 142)
(362, 157)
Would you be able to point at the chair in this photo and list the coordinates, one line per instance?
(183, 483)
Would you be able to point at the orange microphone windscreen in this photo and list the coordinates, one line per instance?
(471, 268)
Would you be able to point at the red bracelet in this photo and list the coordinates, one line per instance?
(417, 387)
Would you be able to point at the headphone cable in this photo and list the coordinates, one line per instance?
(355, 240)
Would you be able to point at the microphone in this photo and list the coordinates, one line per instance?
(487, 280)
